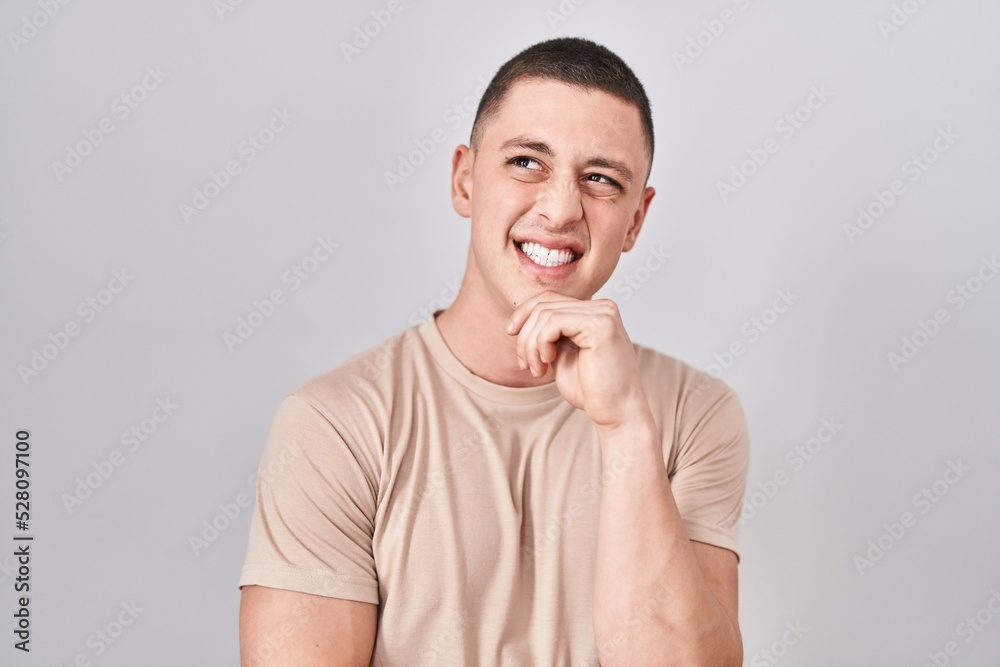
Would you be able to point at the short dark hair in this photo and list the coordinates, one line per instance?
(571, 60)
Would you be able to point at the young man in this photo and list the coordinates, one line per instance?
(513, 481)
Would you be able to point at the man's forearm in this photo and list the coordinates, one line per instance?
(652, 605)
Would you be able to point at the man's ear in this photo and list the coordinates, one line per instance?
(461, 181)
(638, 218)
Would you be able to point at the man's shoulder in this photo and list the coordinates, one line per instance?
(664, 373)
(705, 412)
(368, 376)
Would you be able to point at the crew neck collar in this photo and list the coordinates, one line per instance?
(431, 335)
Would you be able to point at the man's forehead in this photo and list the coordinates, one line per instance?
(532, 93)
(554, 117)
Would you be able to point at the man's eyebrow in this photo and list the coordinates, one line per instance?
(541, 147)
(529, 143)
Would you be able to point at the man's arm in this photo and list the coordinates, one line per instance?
(309, 590)
(281, 628)
(659, 598)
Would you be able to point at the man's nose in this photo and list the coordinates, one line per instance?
(559, 203)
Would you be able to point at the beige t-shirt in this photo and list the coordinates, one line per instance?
(466, 510)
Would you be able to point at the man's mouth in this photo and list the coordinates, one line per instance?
(543, 256)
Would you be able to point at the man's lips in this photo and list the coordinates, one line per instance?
(551, 244)
(543, 261)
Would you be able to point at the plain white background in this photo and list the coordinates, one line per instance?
(896, 77)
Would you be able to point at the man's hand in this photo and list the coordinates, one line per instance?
(593, 359)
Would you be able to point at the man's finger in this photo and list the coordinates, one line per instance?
(523, 311)
(546, 326)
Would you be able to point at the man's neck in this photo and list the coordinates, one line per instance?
(474, 332)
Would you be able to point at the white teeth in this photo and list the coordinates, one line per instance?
(545, 257)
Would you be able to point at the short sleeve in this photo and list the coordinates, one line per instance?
(314, 510)
(710, 471)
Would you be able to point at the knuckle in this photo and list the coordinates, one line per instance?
(609, 305)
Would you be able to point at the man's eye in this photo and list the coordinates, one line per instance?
(603, 180)
(525, 162)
